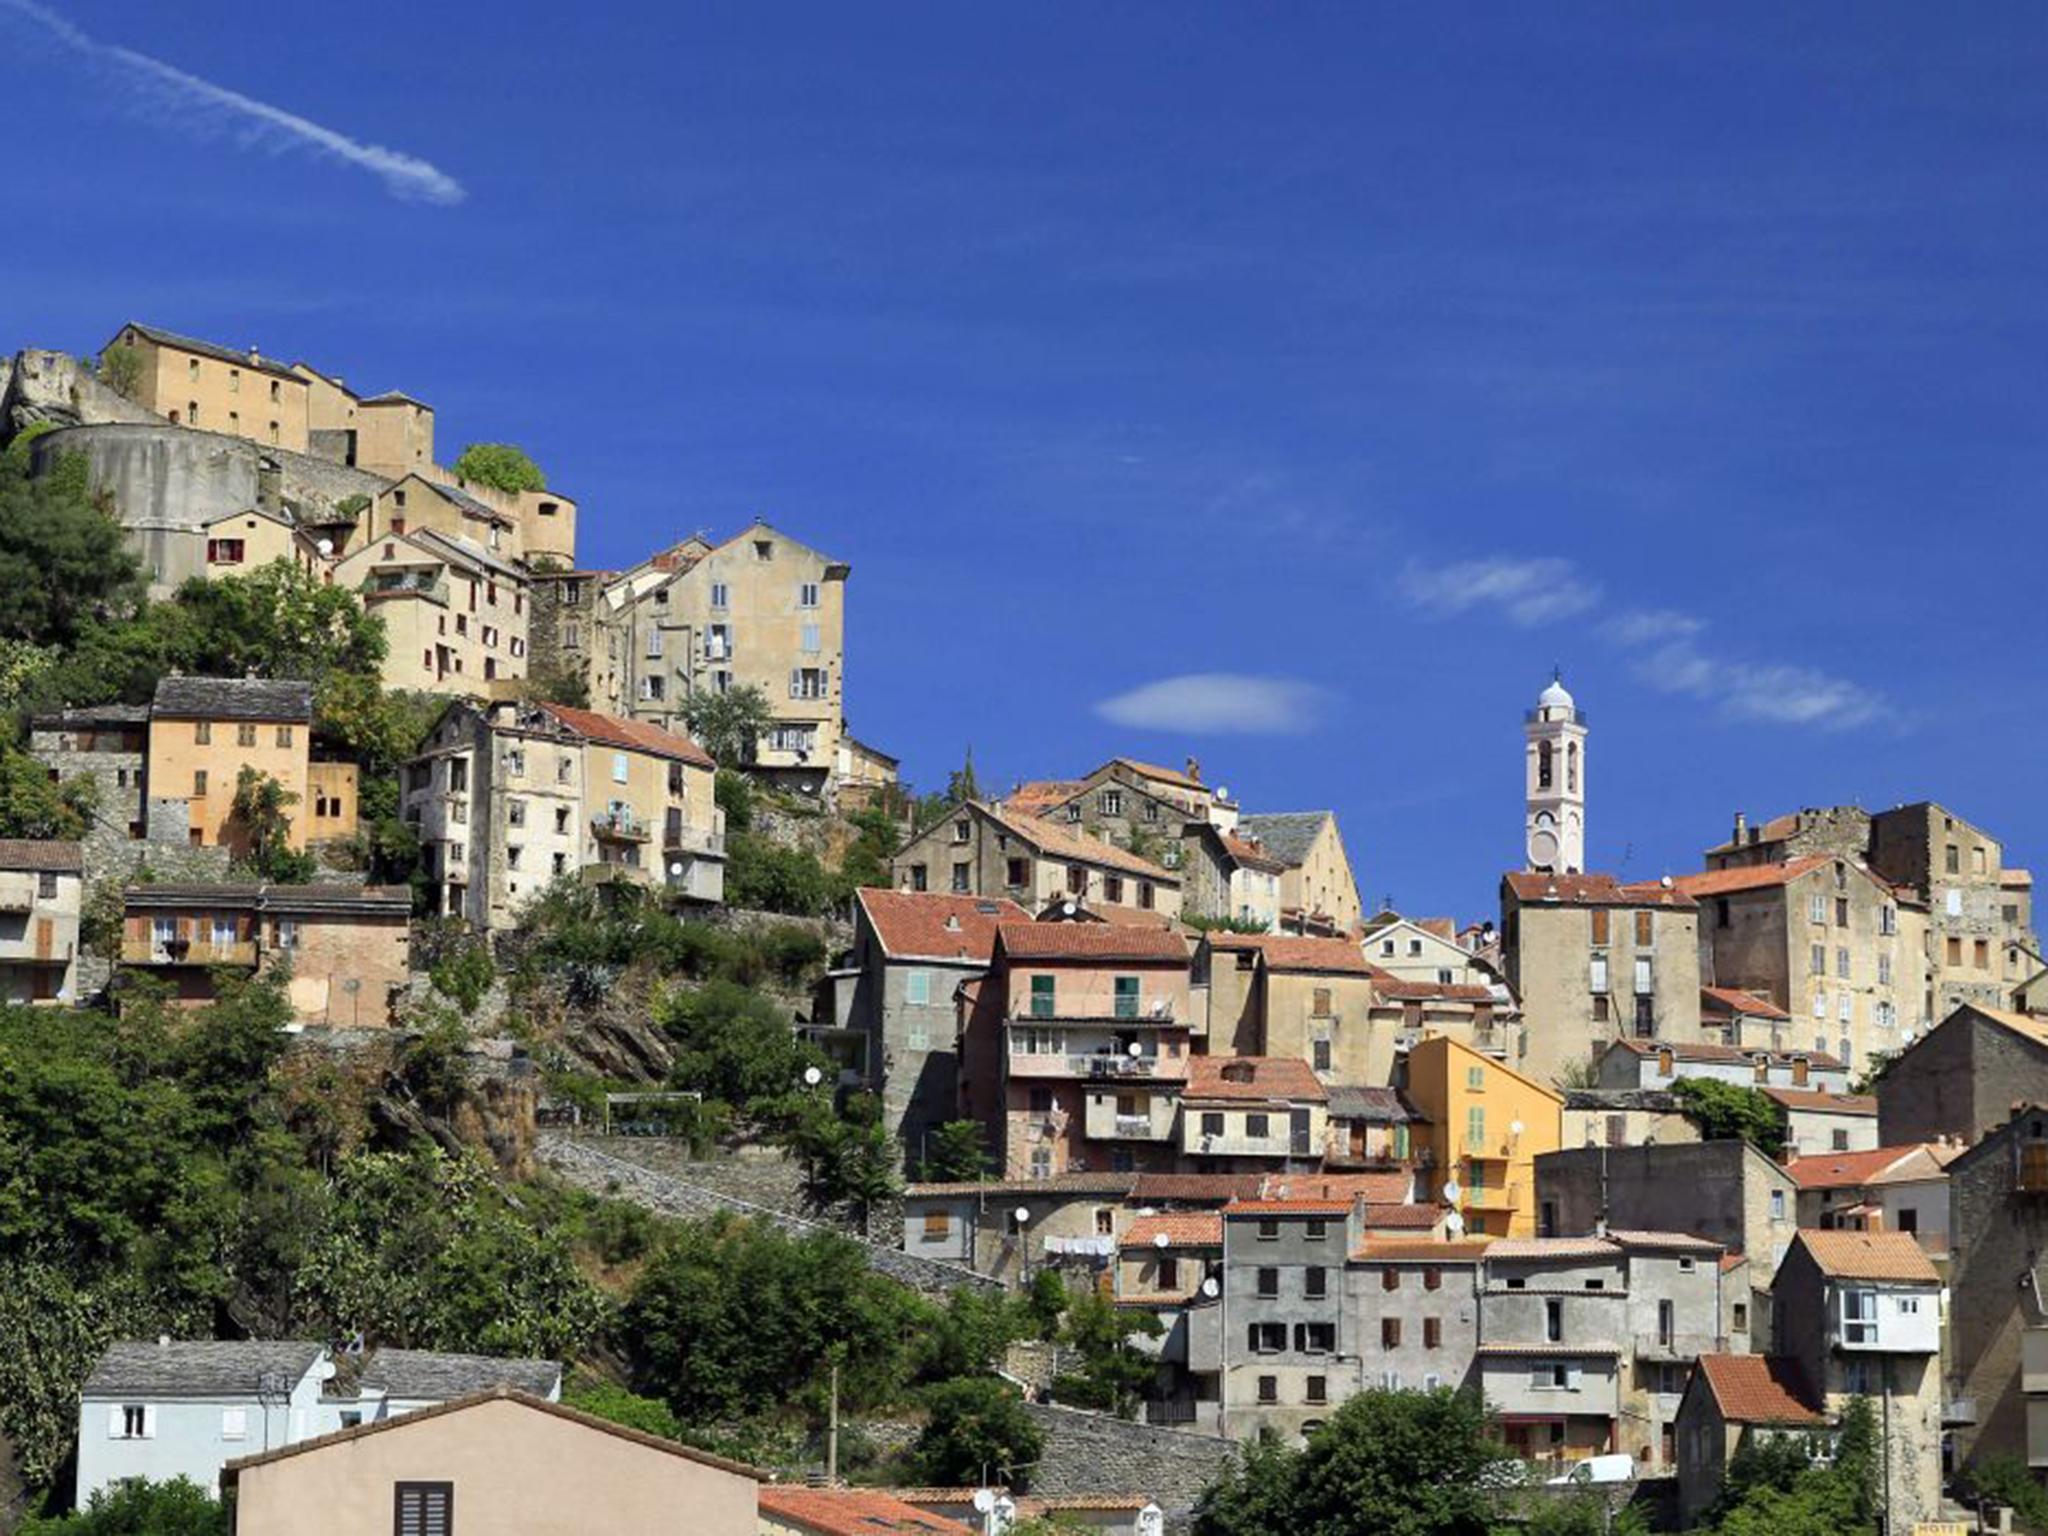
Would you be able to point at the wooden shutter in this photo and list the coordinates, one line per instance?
(1599, 925)
(423, 1509)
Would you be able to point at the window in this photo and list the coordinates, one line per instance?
(917, 987)
(1318, 1389)
(1044, 996)
(1267, 1338)
(1145, 894)
(720, 596)
(1390, 1333)
(284, 735)
(1817, 908)
(1269, 1229)
(1841, 911)
(1432, 1278)
(1315, 1282)
(653, 642)
(1315, 1338)
(199, 783)
(1643, 929)
(620, 768)
(1077, 879)
(1113, 889)
(1321, 1054)
(1016, 872)
(1126, 997)
(961, 882)
(1599, 917)
(1859, 1317)
(1842, 962)
(1667, 1322)
(809, 640)
(1597, 982)
(1777, 1205)
(1738, 1317)
(807, 594)
(1269, 1389)
(423, 1509)
(1169, 1273)
(938, 1226)
(1390, 1279)
(1553, 1320)
(134, 1421)
(46, 884)
(1888, 921)
(1269, 1282)
(809, 682)
(225, 551)
(1257, 1127)
(245, 735)
(1884, 970)
(1475, 1079)
(1432, 1333)
(1817, 960)
(1952, 860)
(287, 933)
(234, 1423)
(1212, 1125)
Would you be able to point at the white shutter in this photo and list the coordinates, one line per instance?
(795, 680)
(149, 1421)
(1572, 1377)
(117, 1424)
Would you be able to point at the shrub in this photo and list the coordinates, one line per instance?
(978, 1432)
(501, 466)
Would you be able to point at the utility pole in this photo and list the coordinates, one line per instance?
(832, 1433)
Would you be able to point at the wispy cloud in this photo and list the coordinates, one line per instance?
(1645, 626)
(1529, 592)
(201, 106)
(1781, 695)
(1219, 703)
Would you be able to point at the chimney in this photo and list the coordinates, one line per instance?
(1195, 769)
(1741, 827)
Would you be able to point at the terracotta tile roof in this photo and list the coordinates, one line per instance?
(39, 854)
(633, 735)
(1706, 1050)
(1549, 1351)
(1554, 1248)
(1776, 830)
(1746, 877)
(1736, 1001)
(1402, 989)
(2015, 879)
(1272, 1078)
(1402, 1218)
(930, 926)
(1091, 941)
(1058, 1184)
(1061, 844)
(1040, 795)
(1594, 891)
(2025, 1025)
(1733, 1261)
(1217, 1187)
(935, 1495)
(1845, 1255)
(852, 1512)
(1393, 1187)
(1114, 913)
(1671, 1242)
(1852, 1170)
(1164, 775)
(1759, 1389)
(1289, 952)
(1033, 1503)
(1252, 1208)
(1181, 1229)
(1812, 1101)
(1406, 1250)
(1442, 927)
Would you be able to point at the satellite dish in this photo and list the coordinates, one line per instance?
(813, 1077)
(1161, 1240)
(1514, 1127)
(1136, 1050)
(1211, 1288)
(1454, 1223)
(1452, 1191)
(1022, 1214)
(984, 1500)
(326, 548)
(676, 869)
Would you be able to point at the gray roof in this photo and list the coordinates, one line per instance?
(234, 698)
(40, 854)
(1286, 834)
(93, 714)
(420, 1373)
(197, 1366)
(211, 349)
(285, 899)
(1623, 1098)
(435, 542)
(1349, 1102)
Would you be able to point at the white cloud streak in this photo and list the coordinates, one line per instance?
(1645, 626)
(1775, 694)
(202, 106)
(1218, 704)
(1529, 592)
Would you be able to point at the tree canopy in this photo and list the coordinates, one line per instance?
(64, 563)
(729, 725)
(501, 466)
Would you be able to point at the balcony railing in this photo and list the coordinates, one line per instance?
(187, 952)
(620, 825)
(1134, 1125)
(1172, 1410)
(695, 840)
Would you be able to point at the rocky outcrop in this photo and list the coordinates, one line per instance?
(56, 389)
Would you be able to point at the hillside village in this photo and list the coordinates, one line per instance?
(462, 1000)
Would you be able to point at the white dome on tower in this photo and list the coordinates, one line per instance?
(1554, 696)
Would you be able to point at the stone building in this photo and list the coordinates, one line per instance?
(1861, 1314)
(1281, 995)
(895, 994)
(204, 731)
(109, 744)
(1624, 1117)
(1252, 1114)
(1011, 1228)
(1415, 1303)
(1659, 1064)
(1226, 876)
(1998, 1318)
(41, 896)
(508, 797)
(1281, 1334)
(454, 614)
(347, 947)
(193, 383)
(1814, 1121)
(1824, 939)
(980, 850)
(1593, 961)
(1962, 1079)
(1149, 809)
(1318, 887)
(1731, 1402)
(1885, 1189)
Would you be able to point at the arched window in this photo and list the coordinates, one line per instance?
(1571, 767)
(1544, 769)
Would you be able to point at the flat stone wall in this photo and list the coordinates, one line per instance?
(585, 1166)
(1100, 1453)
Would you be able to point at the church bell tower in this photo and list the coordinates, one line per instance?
(1555, 830)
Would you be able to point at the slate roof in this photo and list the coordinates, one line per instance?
(1849, 1255)
(1091, 941)
(275, 898)
(1594, 891)
(921, 925)
(633, 735)
(1039, 796)
(1272, 1078)
(214, 350)
(233, 698)
(420, 1373)
(1349, 1101)
(197, 1367)
(93, 714)
(1658, 1101)
(1217, 1187)
(1253, 854)
(852, 1512)
(1058, 1184)
(1759, 1389)
(449, 547)
(1287, 835)
(17, 853)
(1707, 1050)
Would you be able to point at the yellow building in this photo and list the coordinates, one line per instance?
(240, 542)
(1486, 1126)
(454, 615)
(199, 384)
(203, 731)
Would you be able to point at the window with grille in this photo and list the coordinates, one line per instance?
(423, 1509)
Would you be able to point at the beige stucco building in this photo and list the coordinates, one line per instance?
(1318, 886)
(193, 383)
(502, 1462)
(1593, 961)
(203, 731)
(509, 797)
(455, 615)
(41, 896)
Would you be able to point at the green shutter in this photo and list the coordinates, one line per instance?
(1042, 997)
(1127, 997)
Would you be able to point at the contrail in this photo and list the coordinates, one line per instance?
(404, 176)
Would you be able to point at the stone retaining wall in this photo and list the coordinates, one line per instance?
(1100, 1453)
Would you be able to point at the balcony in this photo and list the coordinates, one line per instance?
(1153, 1121)
(620, 825)
(17, 893)
(694, 840)
(1679, 1346)
(1493, 1197)
(1096, 1066)
(187, 952)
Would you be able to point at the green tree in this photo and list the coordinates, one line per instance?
(761, 876)
(120, 368)
(1386, 1464)
(733, 1044)
(501, 466)
(464, 973)
(956, 1153)
(729, 725)
(734, 792)
(977, 1432)
(177, 1508)
(971, 1334)
(556, 683)
(1732, 1111)
(866, 861)
(1586, 1512)
(1113, 1374)
(851, 1157)
(1837, 1498)
(64, 563)
(2008, 1481)
(278, 621)
(607, 1400)
(260, 810)
(32, 807)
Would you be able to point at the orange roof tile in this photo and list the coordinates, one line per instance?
(1288, 1208)
(633, 735)
(1847, 1170)
(1776, 830)
(1091, 941)
(1414, 1250)
(926, 925)
(1442, 927)
(1594, 891)
(1247, 852)
(1272, 1077)
(1746, 877)
(1164, 775)
(1708, 1050)
(1389, 1218)
(1217, 1187)
(1038, 796)
(1847, 1255)
(852, 1512)
(1181, 1229)
(1289, 952)
(1812, 1101)
(1379, 1189)
(1759, 1389)
(1736, 1001)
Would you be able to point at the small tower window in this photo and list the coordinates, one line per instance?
(1545, 767)
(1571, 767)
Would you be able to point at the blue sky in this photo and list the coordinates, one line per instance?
(1390, 355)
